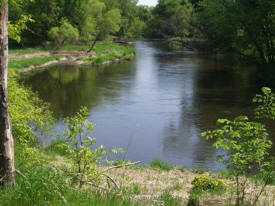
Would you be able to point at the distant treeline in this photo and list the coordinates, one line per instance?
(245, 27)
(82, 19)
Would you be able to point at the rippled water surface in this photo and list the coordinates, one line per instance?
(153, 106)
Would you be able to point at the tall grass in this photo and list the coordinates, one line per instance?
(160, 164)
(44, 184)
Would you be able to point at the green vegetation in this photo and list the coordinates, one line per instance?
(167, 199)
(173, 18)
(34, 61)
(30, 50)
(202, 185)
(103, 52)
(206, 184)
(43, 184)
(66, 33)
(78, 146)
(160, 164)
(70, 171)
(27, 112)
(243, 28)
(63, 20)
(247, 146)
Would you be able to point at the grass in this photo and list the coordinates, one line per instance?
(47, 185)
(34, 61)
(160, 164)
(23, 51)
(107, 51)
(177, 186)
(103, 52)
(166, 199)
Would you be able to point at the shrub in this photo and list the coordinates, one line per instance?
(206, 184)
(79, 145)
(266, 101)
(30, 116)
(203, 184)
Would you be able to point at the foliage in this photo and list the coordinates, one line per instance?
(30, 116)
(87, 16)
(16, 29)
(47, 184)
(206, 184)
(266, 101)
(245, 27)
(66, 33)
(108, 24)
(79, 147)
(159, 164)
(247, 146)
(203, 184)
(173, 18)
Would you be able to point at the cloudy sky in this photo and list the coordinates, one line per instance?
(148, 2)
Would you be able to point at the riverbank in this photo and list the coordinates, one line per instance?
(29, 59)
(44, 179)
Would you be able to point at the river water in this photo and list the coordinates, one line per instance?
(154, 106)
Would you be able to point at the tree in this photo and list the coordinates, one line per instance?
(244, 27)
(173, 18)
(92, 11)
(6, 140)
(107, 24)
(65, 33)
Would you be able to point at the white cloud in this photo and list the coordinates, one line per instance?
(148, 2)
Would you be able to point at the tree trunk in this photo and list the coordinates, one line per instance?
(93, 45)
(6, 141)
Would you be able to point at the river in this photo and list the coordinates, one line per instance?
(154, 106)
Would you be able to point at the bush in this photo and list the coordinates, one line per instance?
(206, 184)
(29, 115)
(78, 145)
(203, 184)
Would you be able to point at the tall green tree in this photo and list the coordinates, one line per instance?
(245, 27)
(108, 23)
(173, 18)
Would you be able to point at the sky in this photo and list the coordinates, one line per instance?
(148, 2)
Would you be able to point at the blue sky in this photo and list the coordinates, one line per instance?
(148, 2)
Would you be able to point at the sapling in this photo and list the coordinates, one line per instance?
(247, 147)
(80, 147)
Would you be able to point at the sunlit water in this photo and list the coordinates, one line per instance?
(154, 106)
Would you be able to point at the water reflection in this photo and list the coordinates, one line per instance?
(67, 88)
(153, 106)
